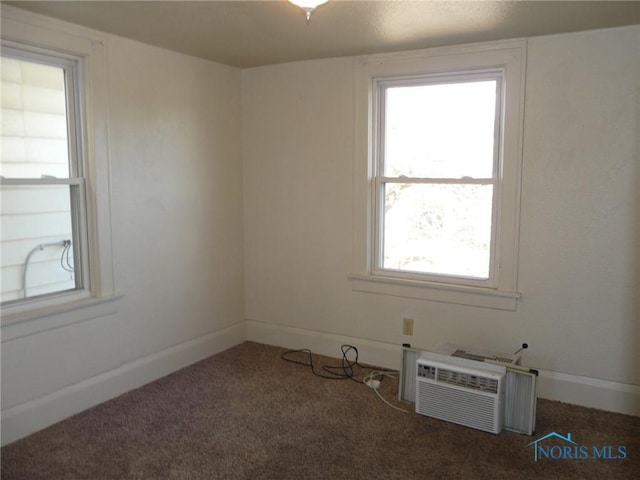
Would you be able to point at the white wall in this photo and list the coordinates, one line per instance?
(177, 195)
(578, 261)
(176, 213)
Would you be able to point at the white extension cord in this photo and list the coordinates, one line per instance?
(372, 381)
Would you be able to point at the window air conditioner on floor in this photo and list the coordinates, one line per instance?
(480, 389)
(472, 397)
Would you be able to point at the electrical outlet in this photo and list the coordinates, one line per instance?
(407, 326)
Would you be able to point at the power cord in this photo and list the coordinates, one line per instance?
(345, 371)
(65, 263)
(373, 381)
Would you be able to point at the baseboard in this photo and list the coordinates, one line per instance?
(590, 392)
(371, 352)
(574, 389)
(24, 419)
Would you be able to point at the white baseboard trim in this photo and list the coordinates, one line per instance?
(372, 352)
(29, 417)
(574, 389)
(590, 392)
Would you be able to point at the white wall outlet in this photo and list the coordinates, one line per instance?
(407, 326)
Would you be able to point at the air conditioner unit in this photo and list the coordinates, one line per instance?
(474, 397)
(520, 382)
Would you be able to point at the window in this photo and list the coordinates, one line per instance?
(436, 172)
(43, 188)
(56, 246)
(438, 175)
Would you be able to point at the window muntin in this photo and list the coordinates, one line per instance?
(436, 176)
(44, 234)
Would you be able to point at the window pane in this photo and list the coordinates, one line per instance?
(34, 121)
(438, 229)
(441, 130)
(36, 254)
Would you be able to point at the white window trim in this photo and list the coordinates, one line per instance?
(37, 32)
(508, 55)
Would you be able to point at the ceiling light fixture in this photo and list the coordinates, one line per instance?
(308, 5)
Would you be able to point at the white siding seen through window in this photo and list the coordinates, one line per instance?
(41, 192)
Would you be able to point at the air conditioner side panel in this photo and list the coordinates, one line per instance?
(520, 404)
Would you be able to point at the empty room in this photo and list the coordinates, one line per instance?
(322, 240)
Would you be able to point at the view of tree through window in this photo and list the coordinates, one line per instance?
(437, 176)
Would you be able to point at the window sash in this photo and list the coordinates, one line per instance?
(76, 180)
(70, 66)
(378, 244)
(78, 215)
(380, 181)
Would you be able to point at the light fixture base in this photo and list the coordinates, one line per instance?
(308, 6)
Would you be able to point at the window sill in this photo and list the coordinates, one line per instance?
(437, 292)
(21, 324)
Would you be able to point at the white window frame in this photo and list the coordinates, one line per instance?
(500, 292)
(76, 158)
(381, 180)
(45, 38)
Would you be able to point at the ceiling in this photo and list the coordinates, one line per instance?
(254, 33)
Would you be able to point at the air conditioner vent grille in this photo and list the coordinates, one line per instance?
(466, 380)
(465, 408)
